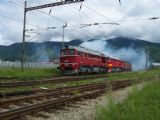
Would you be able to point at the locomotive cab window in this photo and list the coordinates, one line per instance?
(79, 53)
(68, 52)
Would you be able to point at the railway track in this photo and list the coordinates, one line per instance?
(52, 80)
(46, 105)
(53, 93)
(21, 93)
(8, 78)
(65, 97)
(85, 92)
(10, 94)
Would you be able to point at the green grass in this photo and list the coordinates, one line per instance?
(140, 105)
(28, 73)
(139, 74)
(31, 74)
(51, 85)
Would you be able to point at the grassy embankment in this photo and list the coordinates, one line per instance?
(140, 105)
(139, 74)
(31, 74)
(28, 73)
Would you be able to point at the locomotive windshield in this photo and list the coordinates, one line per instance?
(67, 52)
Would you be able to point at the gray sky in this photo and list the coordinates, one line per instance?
(93, 11)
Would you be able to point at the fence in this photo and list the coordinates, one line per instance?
(17, 64)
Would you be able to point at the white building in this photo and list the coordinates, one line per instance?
(156, 65)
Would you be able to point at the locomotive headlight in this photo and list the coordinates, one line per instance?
(110, 65)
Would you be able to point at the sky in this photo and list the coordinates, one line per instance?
(132, 17)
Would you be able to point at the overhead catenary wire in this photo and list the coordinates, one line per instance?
(69, 24)
(13, 2)
(20, 1)
(95, 11)
(86, 25)
(34, 36)
(29, 25)
(85, 31)
(86, 16)
(100, 14)
(134, 20)
(14, 19)
(47, 29)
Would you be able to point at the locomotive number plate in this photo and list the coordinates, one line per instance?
(66, 64)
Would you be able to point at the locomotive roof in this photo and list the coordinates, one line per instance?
(114, 58)
(85, 50)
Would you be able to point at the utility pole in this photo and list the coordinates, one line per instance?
(147, 60)
(63, 38)
(36, 8)
(23, 37)
(64, 26)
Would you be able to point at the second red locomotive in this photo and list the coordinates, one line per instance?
(80, 60)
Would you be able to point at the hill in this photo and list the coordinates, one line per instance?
(47, 51)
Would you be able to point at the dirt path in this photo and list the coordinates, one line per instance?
(86, 110)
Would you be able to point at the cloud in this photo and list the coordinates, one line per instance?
(11, 29)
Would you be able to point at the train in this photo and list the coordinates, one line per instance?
(80, 60)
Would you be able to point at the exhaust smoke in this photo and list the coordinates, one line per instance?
(137, 57)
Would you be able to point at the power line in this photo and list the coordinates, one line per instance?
(87, 16)
(14, 19)
(152, 18)
(93, 23)
(13, 2)
(93, 10)
(20, 2)
(74, 27)
(58, 19)
(98, 13)
(34, 36)
(86, 25)
(145, 19)
(80, 11)
(71, 25)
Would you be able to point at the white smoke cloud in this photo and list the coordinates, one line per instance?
(136, 57)
(42, 54)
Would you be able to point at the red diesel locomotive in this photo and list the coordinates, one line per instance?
(80, 60)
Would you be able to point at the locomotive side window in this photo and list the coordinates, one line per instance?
(103, 60)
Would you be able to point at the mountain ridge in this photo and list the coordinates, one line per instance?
(48, 51)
